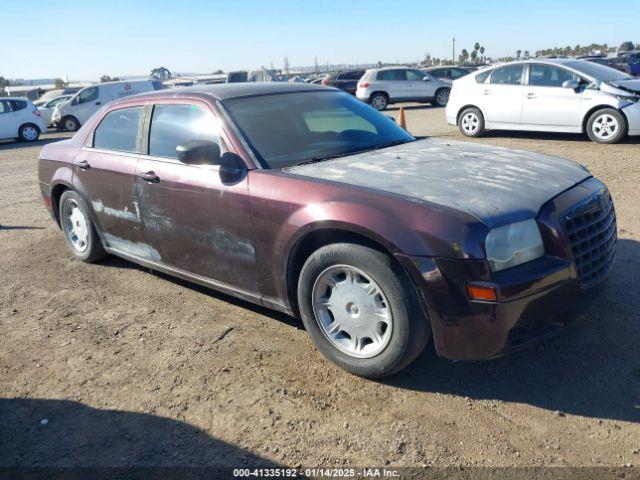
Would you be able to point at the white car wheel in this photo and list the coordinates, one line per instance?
(606, 126)
(470, 123)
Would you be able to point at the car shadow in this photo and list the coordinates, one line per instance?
(420, 106)
(14, 144)
(551, 136)
(591, 369)
(19, 227)
(288, 320)
(61, 438)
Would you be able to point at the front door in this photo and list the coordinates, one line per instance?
(85, 104)
(195, 221)
(104, 173)
(546, 102)
(419, 88)
(501, 98)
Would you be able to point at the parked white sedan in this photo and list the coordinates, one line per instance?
(548, 95)
(20, 119)
(46, 108)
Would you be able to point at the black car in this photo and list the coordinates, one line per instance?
(346, 80)
(448, 73)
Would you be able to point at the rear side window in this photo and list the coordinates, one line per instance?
(456, 73)
(5, 106)
(509, 75)
(120, 130)
(482, 77)
(398, 75)
(17, 105)
(173, 125)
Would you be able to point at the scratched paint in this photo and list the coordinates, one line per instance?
(138, 249)
(496, 185)
(124, 214)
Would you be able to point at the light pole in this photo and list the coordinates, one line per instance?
(453, 58)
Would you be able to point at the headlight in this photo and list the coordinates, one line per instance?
(513, 245)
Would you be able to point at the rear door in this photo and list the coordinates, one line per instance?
(501, 98)
(9, 120)
(195, 221)
(104, 171)
(395, 83)
(546, 102)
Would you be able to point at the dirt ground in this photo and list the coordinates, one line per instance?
(112, 365)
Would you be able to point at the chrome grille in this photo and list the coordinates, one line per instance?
(591, 231)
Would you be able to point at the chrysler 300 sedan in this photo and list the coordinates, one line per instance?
(303, 199)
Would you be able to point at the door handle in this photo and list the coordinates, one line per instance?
(531, 95)
(98, 103)
(149, 177)
(487, 92)
(84, 165)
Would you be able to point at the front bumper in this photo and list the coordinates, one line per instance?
(632, 112)
(533, 300)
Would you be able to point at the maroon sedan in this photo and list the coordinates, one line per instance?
(303, 199)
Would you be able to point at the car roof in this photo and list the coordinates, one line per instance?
(225, 91)
(397, 67)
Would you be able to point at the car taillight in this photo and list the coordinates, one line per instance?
(36, 112)
(325, 81)
(363, 84)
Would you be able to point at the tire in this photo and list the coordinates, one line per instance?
(28, 133)
(471, 122)
(379, 101)
(78, 229)
(441, 98)
(70, 123)
(331, 306)
(607, 125)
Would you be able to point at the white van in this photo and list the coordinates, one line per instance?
(75, 112)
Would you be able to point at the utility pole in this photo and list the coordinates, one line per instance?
(453, 57)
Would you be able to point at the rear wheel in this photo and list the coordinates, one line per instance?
(606, 126)
(78, 228)
(471, 122)
(28, 133)
(360, 310)
(70, 124)
(379, 101)
(441, 97)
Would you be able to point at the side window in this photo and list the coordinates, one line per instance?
(173, 125)
(119, 130)
(5, 106)
(509, 75)
(415, 75)
(17, 105)
(398, 75)
(541, 75)
(482, 77)
(455, 73)
(88, 95)
(351, 75)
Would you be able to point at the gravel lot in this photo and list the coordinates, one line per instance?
(112, 365)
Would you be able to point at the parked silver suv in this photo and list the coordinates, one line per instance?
(382, 86)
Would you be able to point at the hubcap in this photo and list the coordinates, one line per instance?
(470, 123)
(30, 133)
(352, 311)
(379, 102)
(76, 226)
(605, 127)
(70, 125)
(443, 97)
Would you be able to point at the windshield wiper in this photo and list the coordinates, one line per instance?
(322, 158)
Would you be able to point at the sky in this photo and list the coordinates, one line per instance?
(83, 40)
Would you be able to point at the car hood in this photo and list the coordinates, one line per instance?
(632, 85)
(496, 185)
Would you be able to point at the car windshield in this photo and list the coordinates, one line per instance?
(291, 128)
(599, 72)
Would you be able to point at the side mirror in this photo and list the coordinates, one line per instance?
(572, 84)
(199, 152)
(426, 79)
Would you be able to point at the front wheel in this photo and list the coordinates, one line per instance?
(360, 310)
(606, 126)
(70, 124)
(28, 133)
(78, 228)
(442, 97)
(471, 122)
